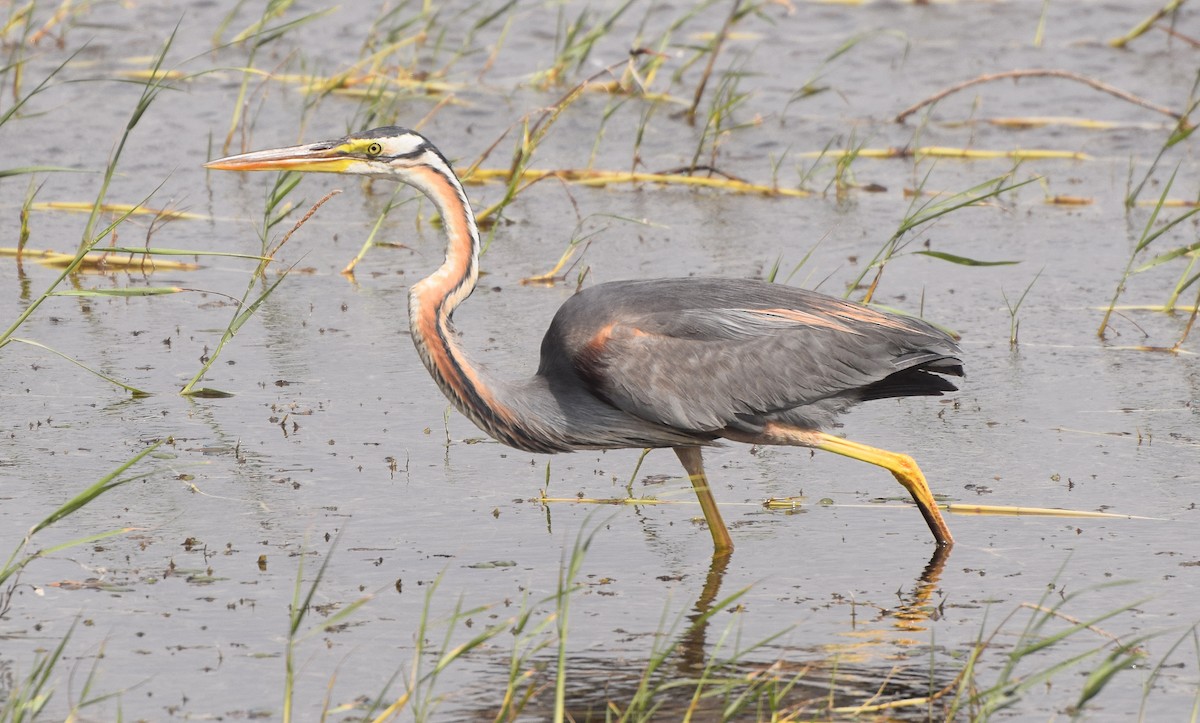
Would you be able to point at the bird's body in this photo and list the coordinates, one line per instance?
(665, 362)
(679, 363)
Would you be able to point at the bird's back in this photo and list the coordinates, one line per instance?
(704, 355)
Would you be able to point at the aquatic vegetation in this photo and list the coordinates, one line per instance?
(162, 547)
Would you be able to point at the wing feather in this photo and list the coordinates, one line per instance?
(709, 354)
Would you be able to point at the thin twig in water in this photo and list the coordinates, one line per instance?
(689, 170)
(1180, 36)
(1039, 73)
(712, 59)
(304, 220)
(1188, 328)
(1070, 619)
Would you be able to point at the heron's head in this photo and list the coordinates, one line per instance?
(390, 152)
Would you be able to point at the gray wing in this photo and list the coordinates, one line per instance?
(709, 354)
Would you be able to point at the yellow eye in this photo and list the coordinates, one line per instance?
(374, 149)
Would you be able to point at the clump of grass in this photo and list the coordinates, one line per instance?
(712, 50)
(153, 85)
(707, 675)
(719, 122)
(257, 35)
(529, 639)
(575, 41)
(1181, 131)
(297, 614)
(982, 701)
(30, 695)
(529, 632)
(533, 133)
(21, 557)
(409, 52)
(567, 575)
(843, 175)
(1014, 322)
(1149, 234)
(921, 212)
(420, 698)
(277, 209)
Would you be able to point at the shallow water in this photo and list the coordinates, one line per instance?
(337, 446)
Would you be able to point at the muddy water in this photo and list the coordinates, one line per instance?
(337, 447)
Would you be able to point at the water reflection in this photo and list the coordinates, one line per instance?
(708, 680)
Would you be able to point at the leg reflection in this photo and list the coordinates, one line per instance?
(692, 644)
(917, 606)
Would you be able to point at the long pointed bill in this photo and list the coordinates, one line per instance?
(319, 157)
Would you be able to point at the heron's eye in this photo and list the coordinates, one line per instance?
(374, 149)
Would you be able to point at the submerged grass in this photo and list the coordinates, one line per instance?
(276, 210)
(20, 557)
(983, 699)
(32, 692)
(1014, 308)
(923, 211)
(298, 613)
(90, 238)
(1150, 233)
(686, 677)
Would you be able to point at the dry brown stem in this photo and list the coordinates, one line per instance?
(1039, 73)
(712, 59)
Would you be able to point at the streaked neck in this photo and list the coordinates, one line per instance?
(431, 304)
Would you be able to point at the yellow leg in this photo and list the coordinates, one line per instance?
(694, 464)
(903, 468)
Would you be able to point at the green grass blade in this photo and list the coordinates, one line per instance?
(76, 503)
(13, 566)
(963, 260)
(1057, 637)
(104, 484)
(131, 389)
(39, 87)
(230, 331)
(970, 197)
(25, 170)
(1123, 658)
(158, 251)
(125, 292)
(1168, 256)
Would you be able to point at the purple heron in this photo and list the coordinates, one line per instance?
(679, 363)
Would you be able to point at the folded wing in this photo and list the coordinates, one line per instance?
(710, 354)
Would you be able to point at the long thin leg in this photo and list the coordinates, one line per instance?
(903, 468)
(694, 464)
